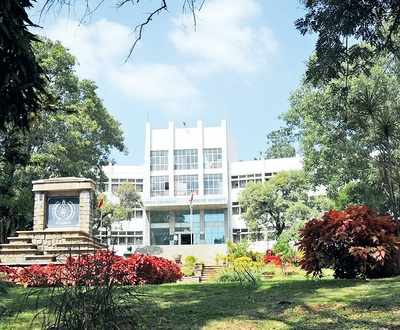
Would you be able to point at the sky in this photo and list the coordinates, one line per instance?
(241, 63)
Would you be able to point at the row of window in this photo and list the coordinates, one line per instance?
(185, 159)
(214, 234)
(181, 228)
(240, 181)
(115, 183)
(236, 209)
(186, 185)
(122, 237)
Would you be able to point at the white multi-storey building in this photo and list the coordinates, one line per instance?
(189, 187)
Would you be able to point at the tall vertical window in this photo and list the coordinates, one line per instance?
(159, 185)
(214, 222)
(186, 184)
(159, 160)
(213, 184)
(213, 158)
(185, 159)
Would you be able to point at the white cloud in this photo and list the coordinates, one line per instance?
(225, 37)
(101, 48)
(162, 84)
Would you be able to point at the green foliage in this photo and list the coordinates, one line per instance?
(243, 270)
(349, 33)
(349, 132)
(278, 202)
(21, 84)
(279, 144)
(128, 199)
(190, 260)
(285, 246)
(189, 265)
(75, 140)
(236, 250)
(356, 192)
(90, 307)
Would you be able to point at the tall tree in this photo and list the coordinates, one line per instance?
(75, 140)
(278, 202)
(349, 130)
(279, 144)
(21, 82)
(350, 33)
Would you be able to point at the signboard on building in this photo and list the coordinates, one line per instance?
(62, 212)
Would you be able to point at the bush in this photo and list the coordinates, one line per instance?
(236, 250)
(189, 266)
(243, 270)
(97, 269)
(271, 258)
(285, 246)
(356, 243)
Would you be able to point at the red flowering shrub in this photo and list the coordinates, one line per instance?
(355, 242)
(273, 259)
(101, 268)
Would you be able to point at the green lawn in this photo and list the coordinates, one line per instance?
(291, 303)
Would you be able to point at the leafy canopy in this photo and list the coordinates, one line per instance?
(349, 131)
(75, 140)
(349, 34)
(278, 202)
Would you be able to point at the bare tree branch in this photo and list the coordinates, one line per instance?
(139, 28)
(194, 6)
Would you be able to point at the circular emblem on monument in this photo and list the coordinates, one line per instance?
(64, 211)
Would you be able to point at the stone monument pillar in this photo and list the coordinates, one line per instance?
(62, 224)
(64, 204)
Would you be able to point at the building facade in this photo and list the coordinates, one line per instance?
(189, 187)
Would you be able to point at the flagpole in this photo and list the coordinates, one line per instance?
(191, 218)
(191, 224)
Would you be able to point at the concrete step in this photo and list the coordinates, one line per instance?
(80, 239)
(70, 251)
(29, 263)
(76, 245)
(12, 246)
(45, 258)
(20, 251)
(19, 239)
(49, 232)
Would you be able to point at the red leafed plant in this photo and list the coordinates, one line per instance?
(356, 243)
(100, 268)
(273, 259)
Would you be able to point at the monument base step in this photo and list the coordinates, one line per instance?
(77, 245)
(30, 263)
(19, 251)
(20, 240)
(15, 246)
(70, 251)
(43, 257)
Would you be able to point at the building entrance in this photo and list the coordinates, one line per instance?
(186, 239)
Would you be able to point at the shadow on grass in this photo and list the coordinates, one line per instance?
(293, 304)
(285, 304)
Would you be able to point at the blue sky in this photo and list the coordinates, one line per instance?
(241, 64)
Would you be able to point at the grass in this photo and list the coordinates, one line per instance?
(283, 303)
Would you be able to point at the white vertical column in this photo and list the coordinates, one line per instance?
(146, 184)
(200, 147)
(227, 179)
(171, 147)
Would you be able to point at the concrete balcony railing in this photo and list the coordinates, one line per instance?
(166, 201)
